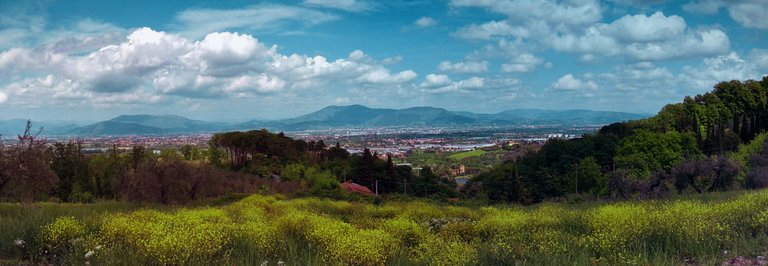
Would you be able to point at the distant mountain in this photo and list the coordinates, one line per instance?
(361, 116)
(420, 116)
(351, 116)
(115, 128)
(147, 125)
(567, 117)
(12, 127)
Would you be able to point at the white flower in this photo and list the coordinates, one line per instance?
(97, 247)
(19, 242)
(265, 263)
(280, 262)
(89, 254)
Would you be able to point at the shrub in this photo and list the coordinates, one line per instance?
(178, 238)
(62, 231)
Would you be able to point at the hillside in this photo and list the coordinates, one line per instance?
(146, 125)
(351, 116)
(361, 116)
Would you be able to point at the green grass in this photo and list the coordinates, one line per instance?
(467, 154)
(310, 231)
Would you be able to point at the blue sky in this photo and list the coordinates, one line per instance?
(239, 60)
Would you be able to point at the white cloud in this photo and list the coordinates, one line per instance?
(524, 62)
(759, 57)
(435, 80)
(425, 22)
(749, 13)
(153, 65)
(642, 28)
(346, 5)
(3, 97)
(640, 77)
(262, 17)
(382, 76)
(643, 37)
(716, 69)
(566, 14)
(569, 82)
(392, 60)
(655, 37)
(461, 85)
(463, 67)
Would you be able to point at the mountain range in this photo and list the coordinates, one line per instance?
(351, 116)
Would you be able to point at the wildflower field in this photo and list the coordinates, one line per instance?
(272, 230)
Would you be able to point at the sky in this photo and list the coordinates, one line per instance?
(239, 60)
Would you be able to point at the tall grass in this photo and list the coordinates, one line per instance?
(309, 231)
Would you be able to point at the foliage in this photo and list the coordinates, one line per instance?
(679, 149)
(310, 231)
(25, 171)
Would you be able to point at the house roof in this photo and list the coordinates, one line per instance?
(356, 188)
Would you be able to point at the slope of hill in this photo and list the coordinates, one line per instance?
(361, 116)
(147, 125)
(115, 128)
(424, 116)
(350, 116)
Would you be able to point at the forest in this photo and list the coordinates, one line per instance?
(710, 142)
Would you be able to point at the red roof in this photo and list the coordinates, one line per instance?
(352, 187)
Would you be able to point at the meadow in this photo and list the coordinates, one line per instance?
(461, 155)
(273, 230)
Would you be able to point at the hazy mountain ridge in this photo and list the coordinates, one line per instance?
(10, 128)
(349, 116)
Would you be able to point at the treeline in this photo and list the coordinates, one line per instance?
(234, 162)
(30, 170)
(709, 142)
(320, 168)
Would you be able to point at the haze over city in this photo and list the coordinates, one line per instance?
(240, 60)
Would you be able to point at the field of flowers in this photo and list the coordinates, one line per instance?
(271, 230)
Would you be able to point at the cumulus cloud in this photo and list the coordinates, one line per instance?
(569, 82)
(654, 37)
(461, 85)
(463, 67)
(719, 68)
(151, 64)
(382, 76)
(749, 13)
(425, 22)
(641, 77)
(435, 80)
(262, 17)
(524, 62)
(642, 37)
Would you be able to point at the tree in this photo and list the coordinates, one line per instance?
(25, 172)
(590, 179)
(646, 151)
(71, 167)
